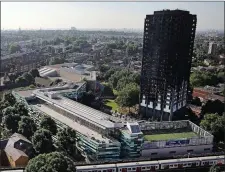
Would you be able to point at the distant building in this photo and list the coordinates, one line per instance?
(69, 71)
(212, 48)
(166, 63)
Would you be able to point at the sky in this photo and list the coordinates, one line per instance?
(104, 15)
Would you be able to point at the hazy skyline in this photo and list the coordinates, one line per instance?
(104, 15)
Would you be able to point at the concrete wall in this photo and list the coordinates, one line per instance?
(166, 152)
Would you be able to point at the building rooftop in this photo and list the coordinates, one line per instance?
(88, 167)
(96, 117)
(16, 153)
(170, 136)
(25, 93)
(72, 123)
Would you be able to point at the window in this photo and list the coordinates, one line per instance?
(129, 168)
(154, 153)
(143, 168)
(133, 168)
(206, 149)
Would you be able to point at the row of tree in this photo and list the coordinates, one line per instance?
(15, 118)
(214, 123)
(198, 78)
(26, 78)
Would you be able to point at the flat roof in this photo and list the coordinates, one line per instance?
(71, 123)
(128, 164)
(79, 110)
(91, 115)
(178, 160)
(169, 136)
(24, 93)
(87, 167)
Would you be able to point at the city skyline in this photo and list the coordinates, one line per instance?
(88, 15)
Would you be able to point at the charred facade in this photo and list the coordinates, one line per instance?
(166, 63)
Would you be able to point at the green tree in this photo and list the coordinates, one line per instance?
(122, 82)
(9, 111)
(1, 116)
(28, 77)
(21, 80)
(12, 77)
(34, 72)
(14, 48)
(27, 127)
(111, 46)
(196, 79)
(66, 141)
(88, 98)
(3, 105)
(215, 106)
(203, 78)
(49, 124)
(215, 168)
(128, 96)
(56, 60)
(136, 77)
(52, 162)
(221, 77)
(20, 109)
(42, 141)
(8, 97)
(67, 42)
(113, 80)
(215, 124)
(57, 41)
(76, 49)
(103, 68)
(11, 122)
(109, 73)
(131, 49)
(196, 101)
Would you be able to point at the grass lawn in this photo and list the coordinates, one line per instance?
(112, 104)
(169, 136)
